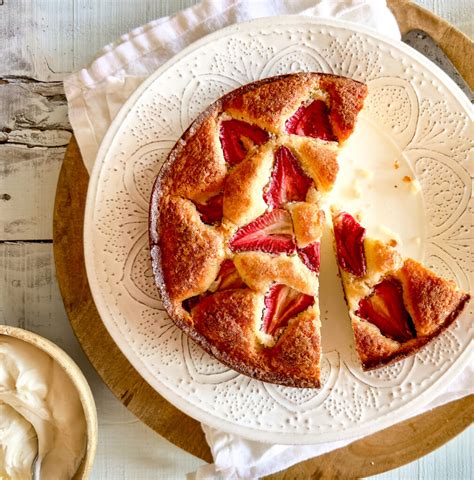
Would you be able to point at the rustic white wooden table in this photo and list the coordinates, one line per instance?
(41, 41)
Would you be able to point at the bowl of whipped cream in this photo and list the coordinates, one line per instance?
(46, 410)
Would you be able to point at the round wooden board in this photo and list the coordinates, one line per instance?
(385, 450)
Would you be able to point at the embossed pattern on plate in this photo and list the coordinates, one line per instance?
(415, 115)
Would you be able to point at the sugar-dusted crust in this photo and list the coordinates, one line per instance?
(225, 325)
(432, 302)
(318, 159)
(430, 299)
(260, 270)
(188, 254)
(198, 166)
(243, 199)
(377, 351)
(187, 238)
(347, 99)
(308, 222)
(273, 101)
(298, 351)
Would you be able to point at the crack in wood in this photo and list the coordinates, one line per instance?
(24, 242)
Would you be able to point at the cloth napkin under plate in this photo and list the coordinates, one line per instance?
(96, 93)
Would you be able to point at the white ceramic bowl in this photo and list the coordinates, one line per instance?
(78, 380)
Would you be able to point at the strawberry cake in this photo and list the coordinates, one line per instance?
(235, 226)
(236, 222)
(396, 305)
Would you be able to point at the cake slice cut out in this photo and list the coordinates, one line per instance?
(396, 305)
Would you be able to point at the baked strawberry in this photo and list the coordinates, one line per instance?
(238, 137)
(191, 302)
(385, 309)
(227, 278)
(310, 256)
(211, 211)
(281, 304)
(311, 121)
(288, 182)
(349, 235)
(272, 232)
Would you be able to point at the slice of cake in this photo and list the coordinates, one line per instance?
(396, 305)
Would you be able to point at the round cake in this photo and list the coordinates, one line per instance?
(236, 222)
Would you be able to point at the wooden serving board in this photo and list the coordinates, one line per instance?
(377, 453)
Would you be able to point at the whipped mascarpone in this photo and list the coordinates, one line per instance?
(40, 411)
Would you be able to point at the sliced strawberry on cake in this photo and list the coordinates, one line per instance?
(396, 305)
(238, 137)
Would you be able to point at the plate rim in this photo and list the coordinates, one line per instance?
(191, 409)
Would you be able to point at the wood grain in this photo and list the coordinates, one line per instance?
(34, 131)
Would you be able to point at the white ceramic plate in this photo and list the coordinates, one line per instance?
(415, 115)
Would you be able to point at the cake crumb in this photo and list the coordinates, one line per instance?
(365, 173)
(396, 164)
(357, 190)
(392, 242)
(407, 179)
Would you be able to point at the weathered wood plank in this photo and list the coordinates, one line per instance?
(25, 103)
(34, 130)
(28, 178)
(37, 38)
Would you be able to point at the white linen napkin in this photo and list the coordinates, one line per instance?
(96, 93)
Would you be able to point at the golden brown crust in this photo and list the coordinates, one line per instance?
(272, 102)
(298, 351)
(198, 166)
(429, 299)
(191, 252)
(377, 351)
(228, 320)
(243, 199)
(318, 159)
(260, 270)
(347, 99)
(225, 323)
(308, 222)
(372, 347)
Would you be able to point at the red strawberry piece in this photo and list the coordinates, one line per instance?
(349, 236)
(191, 302)
(310, 256)
(227, 278)
(311, 121)
(272, 232)
(288, 182)
(238, 137)
(385, 309)
(211, 211)
(281, 304)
